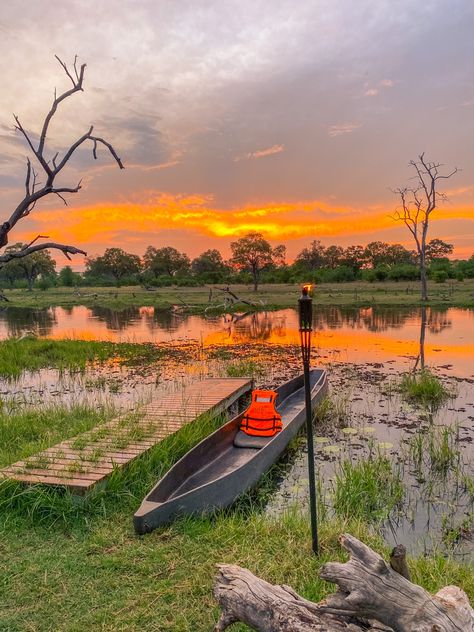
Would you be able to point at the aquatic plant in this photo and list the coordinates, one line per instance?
(245, 368)
(333, 410)
(31, 353)
(368, 489)
(434, 449)
(30, 430)
(424, 388)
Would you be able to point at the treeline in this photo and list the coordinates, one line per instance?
(253, 260)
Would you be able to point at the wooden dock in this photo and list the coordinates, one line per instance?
(89, 458)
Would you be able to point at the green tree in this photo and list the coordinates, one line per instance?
(312, 257)
(210, 266)
(68, 277)
(28, 267)
(438, 249)
(353, 257)
(333, 256)
(165, 260)
(254, 253)
(115, 262)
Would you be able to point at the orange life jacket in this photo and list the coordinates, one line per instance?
(261, 419)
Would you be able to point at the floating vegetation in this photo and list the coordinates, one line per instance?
(368, 489)
(424, 388)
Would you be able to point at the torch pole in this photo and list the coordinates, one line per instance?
(306, 325)
(311, 470)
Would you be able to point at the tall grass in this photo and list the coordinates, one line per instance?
(22, 433)
(369, 489)
(33, 354)
(435, 450)
(245, 368)
(424, 388)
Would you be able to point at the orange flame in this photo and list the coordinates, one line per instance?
(307, 287)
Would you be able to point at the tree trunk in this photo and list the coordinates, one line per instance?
(424, 282)
(371, 595)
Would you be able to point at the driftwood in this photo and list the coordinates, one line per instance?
(371, 596)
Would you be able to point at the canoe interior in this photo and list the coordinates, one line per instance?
(217, 456)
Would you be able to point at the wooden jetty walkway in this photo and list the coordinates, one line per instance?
(89, 458)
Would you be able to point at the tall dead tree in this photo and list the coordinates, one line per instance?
(50, 168)
(417, 205)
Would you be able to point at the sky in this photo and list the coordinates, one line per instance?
(294, 119)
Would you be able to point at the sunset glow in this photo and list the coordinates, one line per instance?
(248, 123)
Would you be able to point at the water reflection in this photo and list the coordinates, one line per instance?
(424, 334)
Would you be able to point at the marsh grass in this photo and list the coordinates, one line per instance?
(32, 354)
(333, 411)
(244, 368)
(31, 430)
(424, 388)
(369, 489)
(435, 450)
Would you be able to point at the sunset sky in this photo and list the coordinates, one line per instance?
(294, 119)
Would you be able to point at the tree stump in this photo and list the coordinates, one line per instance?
(370, 596)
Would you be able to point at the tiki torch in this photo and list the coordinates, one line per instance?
(306, 322)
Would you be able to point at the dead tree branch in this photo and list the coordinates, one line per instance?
(417, 206)
(371, 597)
(51, 168)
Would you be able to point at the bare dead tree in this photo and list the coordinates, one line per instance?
(50, 169)
(417, 205)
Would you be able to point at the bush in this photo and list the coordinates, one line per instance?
(381, 272)
(440, 276)
(404, 272)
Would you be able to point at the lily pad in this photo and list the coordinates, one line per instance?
(322, 440)
(331, 449)
(368, 429)
(385, 445)
(349, 431)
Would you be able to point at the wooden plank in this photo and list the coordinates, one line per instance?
(162, 418)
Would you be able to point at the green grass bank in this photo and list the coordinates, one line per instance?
(358, 293)
(30, 353)
(71, 565)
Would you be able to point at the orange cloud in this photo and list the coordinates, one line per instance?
(261, 153)
(277, 221)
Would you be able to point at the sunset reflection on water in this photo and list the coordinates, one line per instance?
(348, 334)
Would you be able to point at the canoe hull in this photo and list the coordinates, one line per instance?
(226, 472)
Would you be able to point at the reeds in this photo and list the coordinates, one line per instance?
(424, 388)
(369, 489)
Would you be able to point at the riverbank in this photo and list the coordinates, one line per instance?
(273, 296)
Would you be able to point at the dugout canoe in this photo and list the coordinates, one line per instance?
(226, 463)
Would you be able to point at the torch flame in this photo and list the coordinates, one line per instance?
(307, 288)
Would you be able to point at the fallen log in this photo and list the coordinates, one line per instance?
(371, 596)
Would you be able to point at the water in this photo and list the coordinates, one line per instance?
(364, 350)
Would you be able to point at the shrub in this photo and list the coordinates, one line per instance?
(440, 276)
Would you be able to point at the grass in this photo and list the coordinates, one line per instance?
(25, 432)
(424, 388)
(75, 563)
(245, 368)
(369, 489)
(33, 354)
(435, 450)
(332, 411)
(357, 293)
